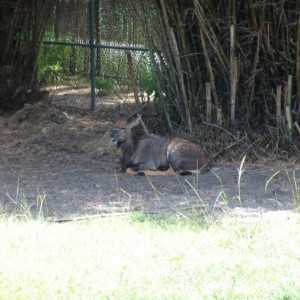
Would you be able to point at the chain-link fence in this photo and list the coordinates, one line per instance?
(112, 31)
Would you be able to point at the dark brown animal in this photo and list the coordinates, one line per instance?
(154, 155)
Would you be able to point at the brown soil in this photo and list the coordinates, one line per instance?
(60, 156)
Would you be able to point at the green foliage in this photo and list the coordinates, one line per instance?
(147, 78)
(57, 62)
(149, 84)
(105, 86)
(113, 63)
(53, 62)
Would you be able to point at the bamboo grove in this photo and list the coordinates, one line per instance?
(228, 63)
(22, 27)
(235, 63)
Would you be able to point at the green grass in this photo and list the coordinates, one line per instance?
(138, 257)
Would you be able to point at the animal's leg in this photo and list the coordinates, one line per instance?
(168, 172)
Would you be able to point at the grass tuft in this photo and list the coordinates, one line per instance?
(295, 187)
(22, 209)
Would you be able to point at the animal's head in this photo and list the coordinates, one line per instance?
(123, 126)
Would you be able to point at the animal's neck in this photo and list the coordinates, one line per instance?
(127, 149)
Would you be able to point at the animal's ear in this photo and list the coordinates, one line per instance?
(134, 123)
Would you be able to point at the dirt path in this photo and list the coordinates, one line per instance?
(61, 158)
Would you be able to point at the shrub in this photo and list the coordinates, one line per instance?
(105, 86)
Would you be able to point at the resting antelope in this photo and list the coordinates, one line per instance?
(153, 155)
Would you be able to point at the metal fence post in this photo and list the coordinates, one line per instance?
(92, 49)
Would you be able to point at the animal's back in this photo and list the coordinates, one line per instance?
(185, 156)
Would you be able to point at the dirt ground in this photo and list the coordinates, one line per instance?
(59, 156)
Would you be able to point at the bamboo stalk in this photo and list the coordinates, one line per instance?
(233, 73)
(234, 87)
(278, 108)
(181, 81)
(40, 32)
(171, 56)
(252, 12)
(219, 116)
(250, 86)
(210, 71)
(184, 51)
(232, 38)
(156, 69)
(231, 56)
(297, 126)
(210, 35)
(132, 78)
(287, 101)
(289, 121)
(208, 103)
(286, 94)
(290, 78)
(233, 15)
(298, 60)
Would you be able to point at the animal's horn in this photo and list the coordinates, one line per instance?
(118, 109)
(135, 113)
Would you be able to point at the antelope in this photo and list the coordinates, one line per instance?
(153, 155)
